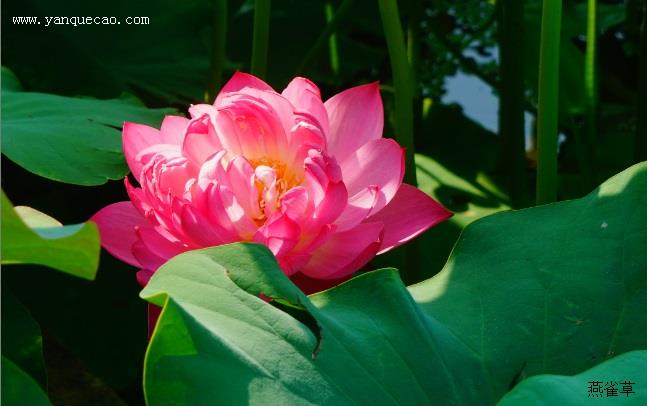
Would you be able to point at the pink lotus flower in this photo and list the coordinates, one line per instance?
(315, 182)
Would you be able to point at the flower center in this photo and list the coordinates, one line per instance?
(283, 173)
(273, 179)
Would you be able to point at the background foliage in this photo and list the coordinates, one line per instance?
(551, 278)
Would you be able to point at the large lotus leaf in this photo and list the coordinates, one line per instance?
(553, 289)
(32, 237)
(73, 140)
(621, 379)
(218, 343)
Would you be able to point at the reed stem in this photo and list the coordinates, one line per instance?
(218, 50)
(402, 82)
(512, 155)
(261, 37)
(548, 112)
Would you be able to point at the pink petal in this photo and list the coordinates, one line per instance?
(255, 126)
(242, 183)
(200, 141)
(239, 82)
(138, 137)
(117, 223)
(326, 191)
(147, 258)
(290, 264)
(306, 100)
(378, 163)
(137, 198)
(145, 156)
(173, 129)
(345, 252)
(332, 205)
(279, 233)
(200, 110)
(294, 203)
(230, 213)
(160, 245)
(212, 170)
(174, 176)
(410, 213)
(303, 137)
(358, 208)
(356, 117)
(199, 229)
(143, 276)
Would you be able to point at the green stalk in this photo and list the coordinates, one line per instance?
(330, 28)
(332, 41)
(512, 155)
(218, 50)
(640, 151)
(548, 113)
(414, 37)
(591, 95)
(590, 80)
(402, 82)
(261, 37)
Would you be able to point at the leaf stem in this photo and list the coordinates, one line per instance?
(218, 50)
(640, 151)
(415, 11)
(332, 41)
(402, 82)
(591, 96)
(330, 28)
(548, 112)
(261, 37)
(512, 155)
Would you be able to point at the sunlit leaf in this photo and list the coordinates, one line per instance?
(73, 140)
(32, 237)
(552, 289)
(574, 390)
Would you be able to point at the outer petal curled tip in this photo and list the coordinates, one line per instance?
(356, 117)
(410, 213)
(117, 224)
